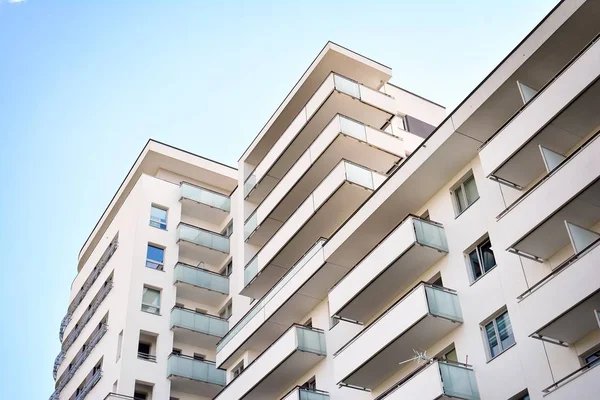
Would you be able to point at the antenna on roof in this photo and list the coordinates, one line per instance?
(419, 357)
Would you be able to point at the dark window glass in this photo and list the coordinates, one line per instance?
(155, 257)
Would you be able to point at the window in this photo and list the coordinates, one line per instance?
(158, 217)
(119, 344)
(228, 229)
(200, 357)
(140, 396)
(308, 323)
(402, 122)
(226, 271)
(498, 335)
(237, 370)
(310, 384)
(451, 355)
(226, 311)
(155, 257)
(481, 260)
(201, 311)
(464, 194)
(592, 359)
(151, 300)
(175, 351)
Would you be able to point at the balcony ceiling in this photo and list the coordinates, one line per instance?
(538, 69)
(549, 237)
(332, 58)
(564, 132)
(396, 278)
(574, 324)
(421, 336)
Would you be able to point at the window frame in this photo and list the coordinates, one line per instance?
(493, 320)
(157, 223)
(160, 265)
(237, 370)
(146, 307)
(476, 248)
(455, 196)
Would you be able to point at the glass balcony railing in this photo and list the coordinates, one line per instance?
(270, 294)
(198, 370)
(91, 381)
(430, 234)
(201, 278)
(110, 250)
(341, 84)
(205, 196)
(359, 175)
(198, 322)
(250, 225)
(300, 393)
(83, 320)
(80, 357)
(311, 340)
(306, 394)
(202, 237)
(443, 302)
(459, 381)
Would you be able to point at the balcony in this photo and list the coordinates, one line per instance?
(299, 393)
(201, 244)
(199, 377)
(513, 156)
(581, 384)
(404, 255)
(343, 190)
(200, 285)
(204, 204)
(86, 387)
(573, 312)
(289, 358)
(106, 256)
(301, 289)
(79, 358)
(336, 93)
(196, 328)
(83, 320)
(571, 193)
(436, 380)
(343, 138)
(418, 320)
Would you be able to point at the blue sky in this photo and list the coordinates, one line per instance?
(84, 84)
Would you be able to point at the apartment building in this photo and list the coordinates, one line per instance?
(367, 246)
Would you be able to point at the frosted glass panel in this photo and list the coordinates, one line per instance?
(250, 272)
(204, 238)
(443, 303)
(250, 225)
(199, 322)
(310, 340)
(201, 278)
(527, 93)
(359, 175)
(580, 237)
(551, 159)
(305, 394)
(195, 369)
(459, 382)
(346, 86)
(430, 234)
(249, 184)
(205, 196)
(353, 128)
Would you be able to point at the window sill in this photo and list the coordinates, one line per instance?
(150, 312)
(484, 275)
(469, 206)
(503, 351)
(156, 269)
(159, 228)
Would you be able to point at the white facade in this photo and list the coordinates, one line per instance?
(367, 246)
